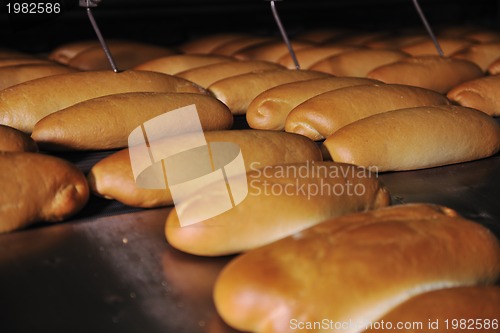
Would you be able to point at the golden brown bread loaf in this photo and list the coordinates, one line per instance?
(238, 91)
(207, 75)
(206, 44)
(126, 54)
(354, 269)
(112, 177)
(270, 51)
(320, 116)
(23, 105)
(282, 200)
(448, 45)
(269, 109)
(482, 94)
(416, 138)
(446, 310)
(63, 53)
(177, 63)
(37, 187)
(357, 63)
(13, 140)
(310, 55)
(494, 68)
(482, 55)
(7, 62)
(431, 72)
(233, 46)
(12, 75)
(106, 122)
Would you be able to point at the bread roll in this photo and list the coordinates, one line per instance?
(271, 51)
(12, 75)
(482, 55)
(13, 140)
(238, 91)
(206, 44)
(235, 45)
(63, 53)
(446, 310)
(431, 72)
(177, 63)
(269, 109)
(357, 63)
(358, 38)
(323, 115)
(396, 42)
(484, 36)
(126, 54)
(282, 200)
(416, 138)
(37, 187)
(9, 54)
(310, 55)
(8, 62)
(482, 94)
(106, 122)
(448, 46)
(354, 269)
(112, 177)
(23, 105)
(494, 68)
(206, 75)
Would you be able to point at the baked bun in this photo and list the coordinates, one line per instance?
(270, 51)
(67, 51)
(354, 269)
(494, 68)
(416, 138)
(12, 75)
(482, 55)
(13, 140)
(482, 94)
(206, 44)
(310, 55)
(177, 63)
(233, 46)
(448, 45)
(37, 187)
(323, 115)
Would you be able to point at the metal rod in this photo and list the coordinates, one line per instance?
(102, 41)
(428, 28)
(284, 35)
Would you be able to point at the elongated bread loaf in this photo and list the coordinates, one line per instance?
(482, 55)
(269, 109)
(270, 51)
(354, 269)
(23, 105)
(37, 187)
(206, 44)
(127, 54)
(238, 91)
(357, 63)
(416, 138)
(67, 51)
(106, 122)
(310, 55)
(233, 46)
(494, 68)
(482, 94)
(7, 62)
(431, 72)
(206, 75)
(13, 140)
(177, 63)
(448, 310)
(320, 116)
(12, 75)
(112, 177)
(281, 200)
(448, 45)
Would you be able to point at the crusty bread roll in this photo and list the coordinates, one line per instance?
(177, 63)
(269, 109)
(270, 51)
(206, 75)
(112, 177)
(12, 75)
(308, 56)
(482, 94)
(445, 310)
(323, 115)
(352, 270)
(416, 138)
(238, 91)
(431, 72)
(7, 62)
(233, 46)
(23, 105)
(448, 45)
(106, 122)
(206, 44)
(494, 68)
(63, 53)
(282, 200)
(482, 55)
(37, 187)
(357, 63)
(126, 54)
(13, 140)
